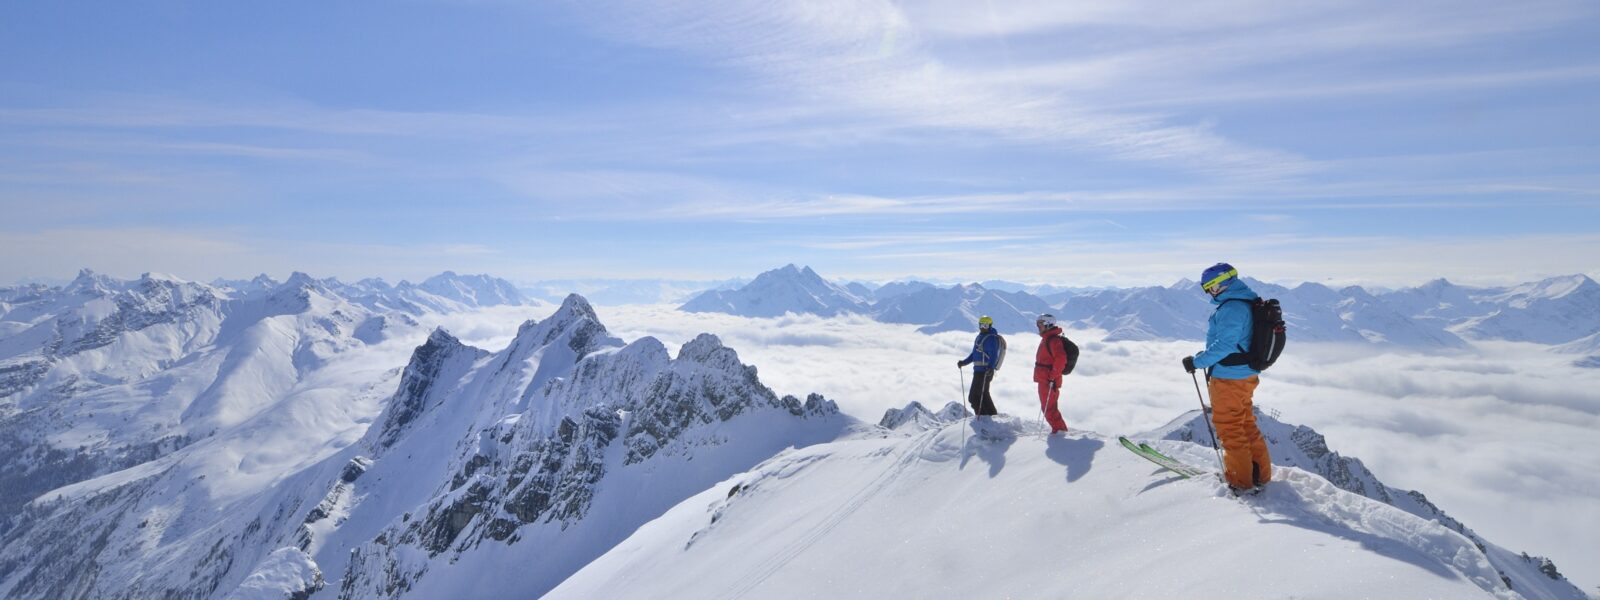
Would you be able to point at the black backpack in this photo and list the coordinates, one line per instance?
(1267, 335)
(1072, 354)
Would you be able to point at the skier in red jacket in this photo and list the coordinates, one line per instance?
(1048, 363)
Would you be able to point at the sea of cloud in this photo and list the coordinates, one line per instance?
(1501, 436)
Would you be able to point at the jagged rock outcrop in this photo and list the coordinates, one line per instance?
(916, 416)
(628, 428)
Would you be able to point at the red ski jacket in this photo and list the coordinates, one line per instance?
(1051, 357)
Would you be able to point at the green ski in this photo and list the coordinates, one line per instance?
(1166, 462)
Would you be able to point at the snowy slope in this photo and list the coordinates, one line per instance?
(948, 512)
(899, 288)
(1438, 299)
(1304, 448)
(1589, 345)
(159, 402)
(1382, 325)
(1553, 311)
(772, 294)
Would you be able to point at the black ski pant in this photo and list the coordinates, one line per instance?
(978, 397)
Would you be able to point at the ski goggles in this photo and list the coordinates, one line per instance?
(1215, 285)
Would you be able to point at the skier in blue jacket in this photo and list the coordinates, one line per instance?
(988, 352)
(1246, 462)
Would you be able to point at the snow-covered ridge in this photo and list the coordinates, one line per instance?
(445, 292)
(997, 508)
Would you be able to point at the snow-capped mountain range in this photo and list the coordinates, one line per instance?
(477, 458)
(313, 439)
(1438, 315)
(102, 375)
(445, 292)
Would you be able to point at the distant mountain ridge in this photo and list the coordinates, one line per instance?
(774, 293)
(1437, 315)
(605, 292)
(958, 309)
(445, 292)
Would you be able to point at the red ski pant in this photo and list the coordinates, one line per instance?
(1244, 452)
(1049, 393)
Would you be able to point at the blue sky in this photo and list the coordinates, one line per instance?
(1115, 143)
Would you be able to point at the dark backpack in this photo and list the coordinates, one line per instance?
(1267, 335)
(1072, 354)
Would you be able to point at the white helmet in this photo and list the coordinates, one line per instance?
(1047, 319)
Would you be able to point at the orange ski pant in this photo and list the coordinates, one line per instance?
(1244, 453)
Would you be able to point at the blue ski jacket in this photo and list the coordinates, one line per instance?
(988, 351)
(1229, 332)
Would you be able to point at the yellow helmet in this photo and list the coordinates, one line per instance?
(985, 322)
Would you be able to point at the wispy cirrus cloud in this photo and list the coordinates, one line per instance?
(867, 57)
(897, 63)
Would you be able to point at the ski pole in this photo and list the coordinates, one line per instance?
(1041, 409)
(1205, 414)
(963, 373)
(963, 412)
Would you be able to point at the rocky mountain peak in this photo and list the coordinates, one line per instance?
(574, 320)
(91, 283)
(437, 360)
(575, 307)
(708, 349)
(300, 279)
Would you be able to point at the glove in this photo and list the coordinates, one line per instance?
(961, 363)
(1055, 385)
(1188, 363)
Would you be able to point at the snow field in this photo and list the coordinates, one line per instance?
(1007, 512)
